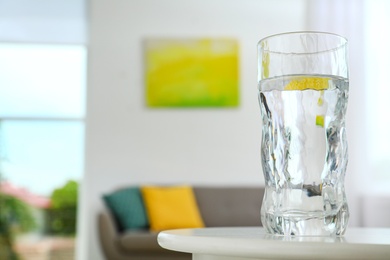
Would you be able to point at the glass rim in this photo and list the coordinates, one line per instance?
(342, 45)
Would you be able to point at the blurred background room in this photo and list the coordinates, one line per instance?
(75, 122)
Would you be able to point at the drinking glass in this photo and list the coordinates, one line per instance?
(303, 93)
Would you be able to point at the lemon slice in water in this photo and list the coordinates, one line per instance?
(314, 83)
(320, 120)
(302, 83)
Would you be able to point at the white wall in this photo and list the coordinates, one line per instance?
(128, 143)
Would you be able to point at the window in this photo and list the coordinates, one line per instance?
(42, 114)
(42, 141)
(377, 89)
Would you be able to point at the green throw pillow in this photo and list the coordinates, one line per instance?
(127, 206)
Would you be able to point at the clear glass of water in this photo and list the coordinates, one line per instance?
(303, 95)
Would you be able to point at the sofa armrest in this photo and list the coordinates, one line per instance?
(109, 236)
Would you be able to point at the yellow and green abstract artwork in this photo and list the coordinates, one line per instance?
(191, 72)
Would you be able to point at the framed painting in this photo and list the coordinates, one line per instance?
(191, 72)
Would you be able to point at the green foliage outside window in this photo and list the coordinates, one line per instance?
(15, 218)
(61, 217)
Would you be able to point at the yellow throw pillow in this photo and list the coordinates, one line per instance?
(171, 207)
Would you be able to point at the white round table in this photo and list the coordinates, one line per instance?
(243, 243)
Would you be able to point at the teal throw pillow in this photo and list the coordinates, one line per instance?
(127, 206)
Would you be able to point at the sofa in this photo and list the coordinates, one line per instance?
(219, 206)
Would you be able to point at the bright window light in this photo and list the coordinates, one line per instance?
(42, 80)
(42, 114)
(378, 91)
(42, 155)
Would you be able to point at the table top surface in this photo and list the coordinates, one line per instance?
(357, 243)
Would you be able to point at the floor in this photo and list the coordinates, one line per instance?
(47, 249)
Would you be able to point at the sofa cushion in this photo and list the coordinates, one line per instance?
(229, 206)
(128, 208)
(171, 207)
(140, 240)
